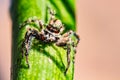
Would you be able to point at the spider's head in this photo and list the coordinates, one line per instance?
(55, 26)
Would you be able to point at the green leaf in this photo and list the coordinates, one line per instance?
(47, 61)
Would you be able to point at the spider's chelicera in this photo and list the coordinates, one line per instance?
(50, 33)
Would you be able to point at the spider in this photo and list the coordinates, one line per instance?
(50, 33)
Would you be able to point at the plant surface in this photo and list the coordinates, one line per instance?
(47, 61)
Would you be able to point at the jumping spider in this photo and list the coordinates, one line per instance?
(50, 33)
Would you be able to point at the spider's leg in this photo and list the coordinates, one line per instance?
(52, 13)
(27, 44)
(32, 20)
(77, 37)
(23, 46)
(68, 58)
(74, 44)
(52, 16)
(62, 42)
(67, 39)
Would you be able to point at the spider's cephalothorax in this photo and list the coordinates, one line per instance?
(50, 33)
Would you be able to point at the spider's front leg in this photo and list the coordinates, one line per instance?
(33, 20)
(27, 43)
(68, 39)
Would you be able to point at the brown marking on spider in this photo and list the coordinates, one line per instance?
(50, 33)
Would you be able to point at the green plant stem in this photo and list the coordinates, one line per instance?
(47, 61)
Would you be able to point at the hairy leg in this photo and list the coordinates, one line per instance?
(66, 40)
(32, 20)
(27, 42)
(68, 58)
